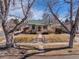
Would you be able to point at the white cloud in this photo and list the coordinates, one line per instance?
(17, 11)
(37, 14)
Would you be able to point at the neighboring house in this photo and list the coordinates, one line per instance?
(68, 25)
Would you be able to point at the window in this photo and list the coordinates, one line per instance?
(45, 27)
(39, 28)
(33, 27)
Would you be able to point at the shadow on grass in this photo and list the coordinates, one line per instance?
(43, 51)
(3, 48)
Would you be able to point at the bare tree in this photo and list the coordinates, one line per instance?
(4, 10)
(73, 25)
(46, 17)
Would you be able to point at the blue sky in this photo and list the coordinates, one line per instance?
(39, 8)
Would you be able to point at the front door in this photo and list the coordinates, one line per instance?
(39, 28)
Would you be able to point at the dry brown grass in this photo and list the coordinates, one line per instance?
(49, 37)
(24, 38)
(1, 38)
(57, 37)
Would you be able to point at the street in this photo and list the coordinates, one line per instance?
(43, 57)
(55, 57)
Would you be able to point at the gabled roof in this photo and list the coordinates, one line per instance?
(36, 22)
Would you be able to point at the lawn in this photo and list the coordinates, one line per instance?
(1, 38)
(49, 37)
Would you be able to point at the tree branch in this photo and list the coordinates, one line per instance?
(23, 18)
(71, 13)
(76, 19)
(4, 8)
(57, 18)
(5, 4)
(66, 1)
(22, 8)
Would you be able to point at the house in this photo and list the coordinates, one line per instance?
(42, 26)
(36, 26)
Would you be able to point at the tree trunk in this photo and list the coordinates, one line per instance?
(8, 37)
(72, 36)
(9, 40)
(71, 41)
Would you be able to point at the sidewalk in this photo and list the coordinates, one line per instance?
(35, 44)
